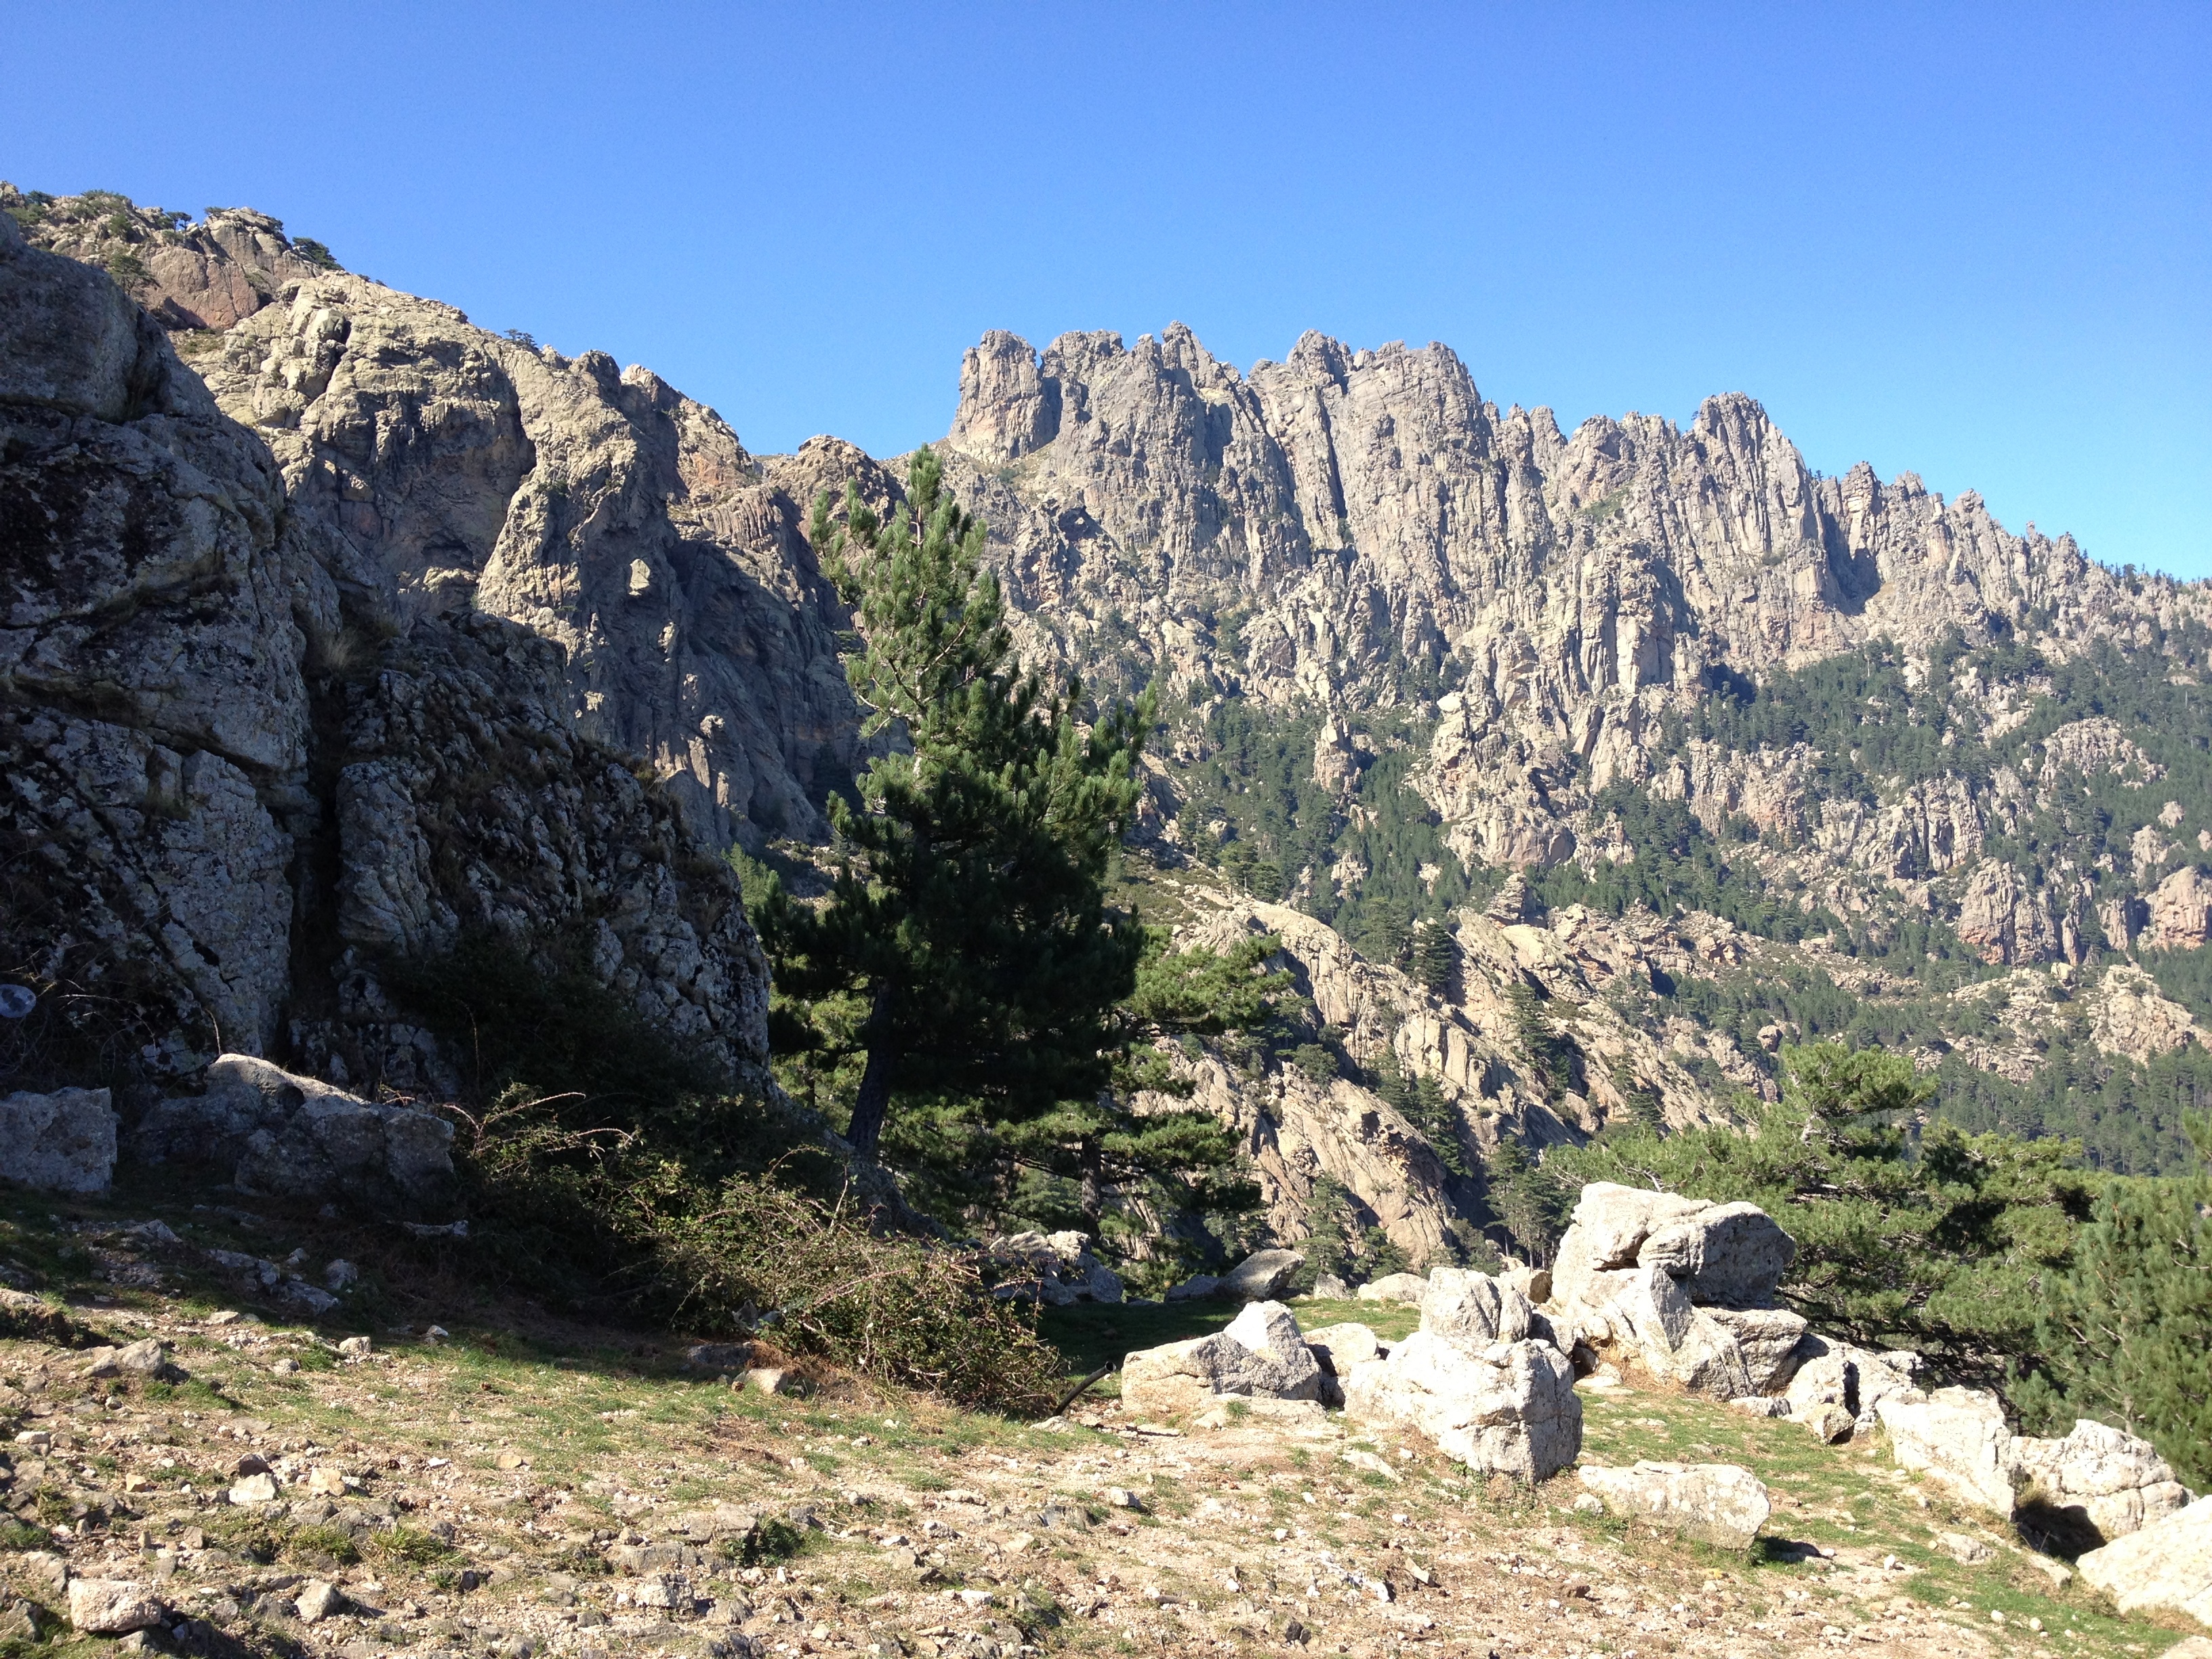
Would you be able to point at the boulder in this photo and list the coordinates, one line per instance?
(294, 1137)
(2166, 1567)
(2093, 1485)
(1534, 1283)
(1730, 1255)
(1823, 1371)
(1338, 1348)
(1830, 1424)
(1261, 1354)
(1329, 1288)
(1767, 1338)
(1958, 1436)
(1196, 1288)
(1607, 1229)
(1473, 1310)
(1394, 1287)
(1480, 1378)
(1645, 1313)
(112, 1606)
(1718, 1504)
(1263, 1276)
(1509, 1409)
(62, 1142)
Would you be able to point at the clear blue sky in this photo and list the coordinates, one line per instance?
(1967, 240)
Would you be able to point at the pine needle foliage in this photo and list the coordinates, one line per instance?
(2123, 1337)
(966, 916)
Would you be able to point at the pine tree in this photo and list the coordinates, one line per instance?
(2123, 1337)
(965, 932)
(1436, 957)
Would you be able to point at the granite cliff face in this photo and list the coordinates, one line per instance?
(247, 755)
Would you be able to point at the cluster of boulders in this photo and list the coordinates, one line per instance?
(1685, 1291)
(2073, 1493)
(1680, 1288)
(1482, 1377)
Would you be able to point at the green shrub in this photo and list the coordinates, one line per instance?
(315, 253)
(767, 1541)
(19, 1536)
(744, 1253)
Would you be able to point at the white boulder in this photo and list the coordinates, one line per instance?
(1261, 1354)
(1959, 1436)
(2094, 1485)
(1509, 1409)
(1717, 1503)
(2167, 1567)
(1476, 1381)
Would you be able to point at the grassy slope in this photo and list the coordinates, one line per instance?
(602, 1435)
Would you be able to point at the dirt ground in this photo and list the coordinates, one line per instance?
(480, 1491)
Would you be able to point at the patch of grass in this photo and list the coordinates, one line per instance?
(320, 1544)
(16, 1535)
(413, 1545)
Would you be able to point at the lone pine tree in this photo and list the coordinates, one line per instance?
(965, 926)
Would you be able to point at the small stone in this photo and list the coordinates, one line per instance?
(341, 1275)
(766, 1379)
(110, 1607)
(1121, 1497)
(319, 1599)
(324, 1481)
(255, 1489)
(356, 1347)
(1967, 1551)
(512, 1459)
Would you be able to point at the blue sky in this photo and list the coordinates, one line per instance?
(1975, 242)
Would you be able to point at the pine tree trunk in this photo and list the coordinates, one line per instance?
(874, 1100)
(1093, 1198)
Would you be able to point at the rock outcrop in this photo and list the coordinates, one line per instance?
(1681, 1287)
(1479, 1377)
(251, 739)
(296, 1138)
